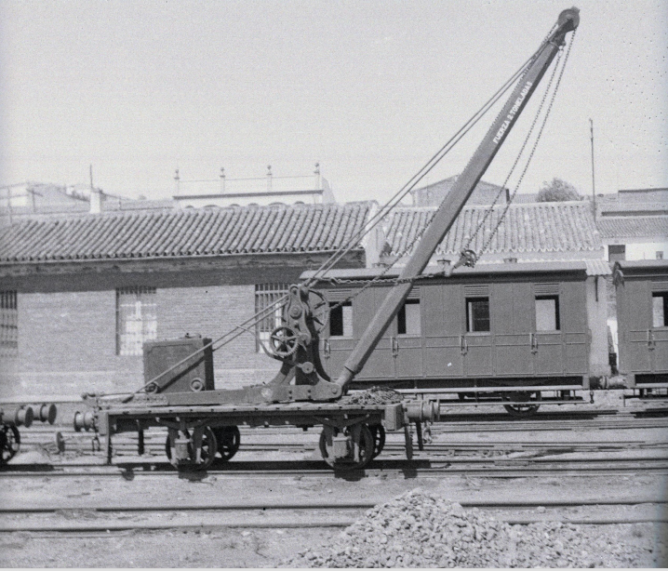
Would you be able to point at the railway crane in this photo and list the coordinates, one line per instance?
(203, 421)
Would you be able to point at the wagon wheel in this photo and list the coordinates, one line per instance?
(207, 454)
(361, 438)
(378, 434)
(283, 341)
(319, 310)
(522, 404)
(229, 439)
(10, 443)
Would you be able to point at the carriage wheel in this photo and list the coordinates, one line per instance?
(378, 434)
(362, 440)
(229, 439)
(10, 443)
(522, 403)
(207, 453)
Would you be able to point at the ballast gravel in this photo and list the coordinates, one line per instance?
(421, 529)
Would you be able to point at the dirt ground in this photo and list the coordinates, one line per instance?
(230, 547)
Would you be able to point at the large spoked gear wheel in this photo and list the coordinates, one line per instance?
(523, 403)
(10, 443)
(319, 310)
(229, 440)
(378, 434)
(207, 454)
(362, 440)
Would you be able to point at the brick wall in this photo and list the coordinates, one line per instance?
(67, 345)
(67, 322)
(212, 312)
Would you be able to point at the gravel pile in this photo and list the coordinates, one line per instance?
(419, 529)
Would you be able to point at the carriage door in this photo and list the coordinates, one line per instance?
(638, 313)
(407, 344)
(443, 330)
(574, 328)
(380, 365)
(337, 340)
(477, 343)
(512, 313)
(547, 341)
(659, 335)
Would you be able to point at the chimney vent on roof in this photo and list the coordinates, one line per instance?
(510, 260)
(96, 198)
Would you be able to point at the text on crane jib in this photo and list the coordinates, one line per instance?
(513, 111)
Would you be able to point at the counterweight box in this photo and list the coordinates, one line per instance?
(193, 375)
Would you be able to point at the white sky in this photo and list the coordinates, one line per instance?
(370, 89)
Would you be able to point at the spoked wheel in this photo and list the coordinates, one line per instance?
(10, 443)
(207, 453)
(229, 439)
(523, 404)
(283, 342)
(362, 451)
(378, 434)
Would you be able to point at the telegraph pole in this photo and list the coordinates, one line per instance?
(593, 175)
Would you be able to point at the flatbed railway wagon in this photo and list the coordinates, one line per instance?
(642, 316)
(516, 333)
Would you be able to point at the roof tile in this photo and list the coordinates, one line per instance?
(274, 229)
(537, 227)
(633, 226)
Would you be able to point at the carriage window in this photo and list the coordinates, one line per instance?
(660, 309)
(341, 319)
(408, 318)
(477, 314)
(547, 313)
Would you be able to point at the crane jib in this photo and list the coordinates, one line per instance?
(455, 200)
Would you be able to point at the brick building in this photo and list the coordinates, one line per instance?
(81, 294)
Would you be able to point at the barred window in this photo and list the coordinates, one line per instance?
(9, 324)
(136, 319)
(267, 296)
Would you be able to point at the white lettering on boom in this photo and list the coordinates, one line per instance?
(513, 111)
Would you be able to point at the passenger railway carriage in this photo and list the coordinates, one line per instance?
(642, 314)
(519, 332)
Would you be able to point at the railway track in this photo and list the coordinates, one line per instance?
(86, 517)
(419, 467)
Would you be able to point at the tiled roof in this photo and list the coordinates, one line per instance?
(598, 268)
(312, 228)
(539, 227)
(633, 226)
